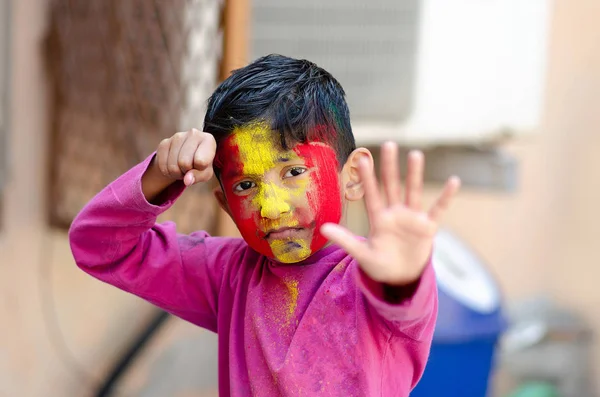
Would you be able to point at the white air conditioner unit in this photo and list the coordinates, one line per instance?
(429, 72)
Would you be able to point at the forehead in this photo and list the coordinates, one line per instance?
(255, 149)
(252, 149)
(256, 142)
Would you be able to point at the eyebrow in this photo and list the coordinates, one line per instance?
(231, 174)
(234, 172)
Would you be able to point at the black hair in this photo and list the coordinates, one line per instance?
(300, 101)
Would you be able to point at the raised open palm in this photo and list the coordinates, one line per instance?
(401, 232)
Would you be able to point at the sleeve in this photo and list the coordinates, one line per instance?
(413, 313)
(116, 239)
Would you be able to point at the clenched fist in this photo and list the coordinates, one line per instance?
(186, 156)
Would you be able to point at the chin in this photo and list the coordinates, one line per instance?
(290, 251)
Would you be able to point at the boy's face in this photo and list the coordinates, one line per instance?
(279, 199)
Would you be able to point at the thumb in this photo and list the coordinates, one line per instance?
(347, 240)
(196, 176)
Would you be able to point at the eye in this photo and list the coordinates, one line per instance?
(244, 185)
(295, 171)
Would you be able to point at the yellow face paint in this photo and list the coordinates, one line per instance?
(279, 198)
(286, 254)
(260, 156)
(273, 200)
(255, 145)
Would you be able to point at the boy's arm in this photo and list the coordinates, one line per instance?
(410, 310)
(394, 261)
(407, 314)
(116, 239)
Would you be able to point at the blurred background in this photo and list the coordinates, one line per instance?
(503, 93)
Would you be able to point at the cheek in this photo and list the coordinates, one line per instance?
(241, 210)
(244, 216)
(325, 200)
(324, 197)
(327, 204)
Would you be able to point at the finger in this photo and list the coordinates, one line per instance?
(162, 156)
(443, 201)
(414, 180)
(373, 202)
(205, 153)
(345, 239)
(390, 174)
(188, 149)
(195, 176)
(177, 142)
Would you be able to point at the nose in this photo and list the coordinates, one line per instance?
(273, 201)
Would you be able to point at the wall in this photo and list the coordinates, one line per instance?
(38, 280)
(542, 239)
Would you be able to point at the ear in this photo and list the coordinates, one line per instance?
(353, 188)
(220, 196)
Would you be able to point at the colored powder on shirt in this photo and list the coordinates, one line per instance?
(292, 287)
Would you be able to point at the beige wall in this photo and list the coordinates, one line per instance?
(541, 239)
(95, 319)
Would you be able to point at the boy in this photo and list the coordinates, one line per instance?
(295, 315)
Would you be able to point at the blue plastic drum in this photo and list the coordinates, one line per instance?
(468, 327)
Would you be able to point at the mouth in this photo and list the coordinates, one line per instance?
(283, 233)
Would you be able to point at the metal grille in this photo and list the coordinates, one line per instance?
(368, 45)
(127, 74)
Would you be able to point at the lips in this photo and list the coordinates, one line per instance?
(283, 233)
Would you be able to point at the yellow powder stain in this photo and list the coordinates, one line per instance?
(259, 155)
(284, 254)
(255, 142)
(292, 287)
(277, 223)
(273, 200)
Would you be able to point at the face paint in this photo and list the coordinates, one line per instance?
(324, 198)
(279, 199)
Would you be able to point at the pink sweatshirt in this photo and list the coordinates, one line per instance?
(315, 328)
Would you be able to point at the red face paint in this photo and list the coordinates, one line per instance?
(279, 199)
(324, 195)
